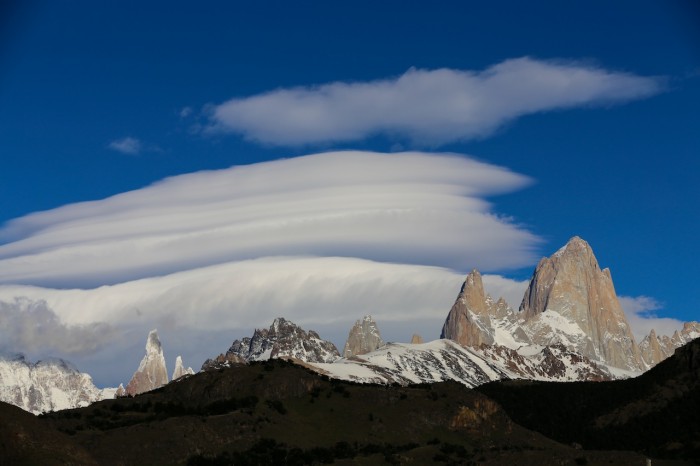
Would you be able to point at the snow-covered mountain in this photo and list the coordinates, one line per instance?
(284, 339)
(48, 385)
(441, 360)
(569, 301)
(570, 327)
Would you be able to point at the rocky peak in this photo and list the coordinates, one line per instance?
(468, 322)
(364, 337)
(284, 339)
(152, 372)
(572, 285)
(180, 370)
(473, 295)
(416, 339)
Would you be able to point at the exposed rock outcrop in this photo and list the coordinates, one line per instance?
(364, 337)
(152, 372)
(416, 339)
(180, 370)
(223, 360)
(283, 339)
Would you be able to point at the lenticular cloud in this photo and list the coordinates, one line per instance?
(408, 208)
(430, 107)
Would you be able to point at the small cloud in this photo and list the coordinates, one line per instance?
(642, 318)
(127, 145)
(185, 112)
(428, 107)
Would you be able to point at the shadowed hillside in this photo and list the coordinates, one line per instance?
(656, 413)
(280, 413)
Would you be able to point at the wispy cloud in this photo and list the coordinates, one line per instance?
(429, 107)
(185, 112)
(412, 208)
(640, 312)
(127, 145)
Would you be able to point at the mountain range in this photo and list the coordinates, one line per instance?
(568, 327)
(276, 412)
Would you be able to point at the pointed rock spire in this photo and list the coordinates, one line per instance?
(468, 322)
(571, 285)
(364, 337)
(416, 339)
(152, 372)
(180, 369)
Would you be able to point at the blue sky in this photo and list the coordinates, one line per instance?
(97, 100)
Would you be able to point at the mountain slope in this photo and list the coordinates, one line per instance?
(655, 413)
(276, 412)
(443, 360)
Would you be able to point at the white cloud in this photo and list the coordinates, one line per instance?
(426, 106)
(642, 318)
(127, 145)
(413, 208)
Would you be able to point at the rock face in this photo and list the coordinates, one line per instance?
(152, 372)
(475, 319)
(416, 339)
(180, 370)
(283, 339)
(45, 386)
(571, 285)
(469, 322)
(364, 337)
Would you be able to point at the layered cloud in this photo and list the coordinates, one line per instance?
(411, 208)
(429, 107)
